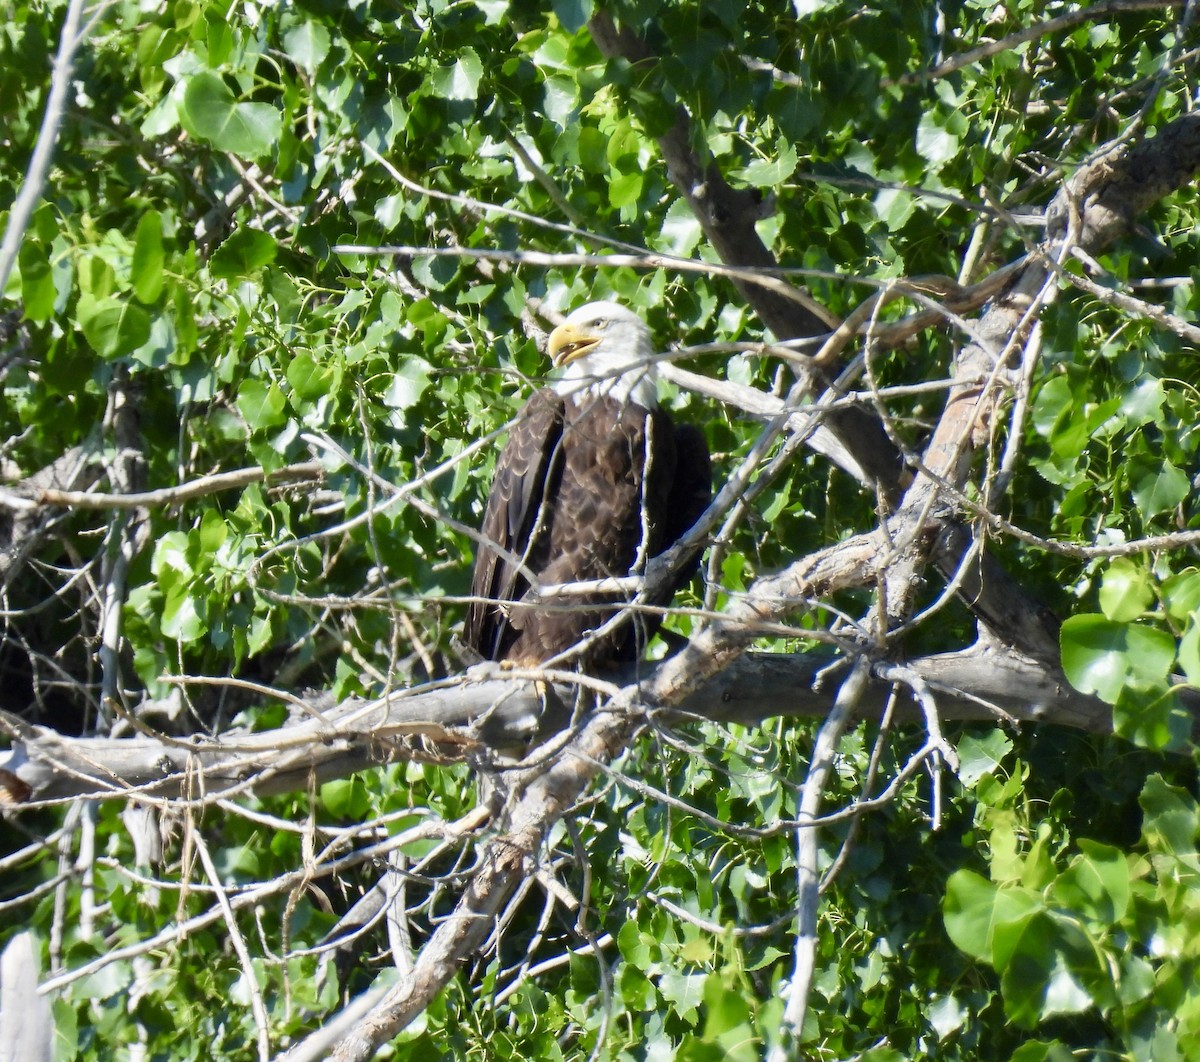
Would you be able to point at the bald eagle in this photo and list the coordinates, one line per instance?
(594, 480)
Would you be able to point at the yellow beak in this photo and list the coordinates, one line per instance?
(567, 344)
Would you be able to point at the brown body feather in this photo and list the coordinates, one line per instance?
(572, 495)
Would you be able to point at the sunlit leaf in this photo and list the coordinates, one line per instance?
(1096, 884)
(307, 44)
(1100, 656)
(148, 258)
(114, 327)
(983, 918)
(263, 405)
(245, 251)
(460, 80)
(37, 281)
(210, 111)
(1126, 591)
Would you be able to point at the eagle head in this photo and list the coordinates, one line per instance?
(606, 348)
(600, 328)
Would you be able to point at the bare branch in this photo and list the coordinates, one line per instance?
(31, 188)
(23, 501)
(462, 717)
(807, 871)
(505, 861)
(1093, 13)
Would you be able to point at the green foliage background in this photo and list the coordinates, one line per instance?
(212, 161)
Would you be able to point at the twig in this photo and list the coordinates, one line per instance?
(868, 782)
(503, 866)
(81, 499)
(1128, 303)
(545, 180)
(528, 974)
(768, 277)
(239, 946)
(1095, 12)
(31, 188)
(807, 870)
(283, 883)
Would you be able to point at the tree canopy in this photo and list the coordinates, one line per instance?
(912, 772)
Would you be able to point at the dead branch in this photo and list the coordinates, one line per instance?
(507, 861)
(197, 488)
(466, 717)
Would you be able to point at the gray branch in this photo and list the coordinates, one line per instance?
(474, 719)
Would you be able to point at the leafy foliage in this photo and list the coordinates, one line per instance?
(201, 253)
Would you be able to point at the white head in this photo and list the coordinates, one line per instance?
(605, 349)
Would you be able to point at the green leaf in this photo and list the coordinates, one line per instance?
(309, 378)
(1152, 717)
(307, 45)
(66, 1029)
(685, 991)
(983, 919)
(213, 531)
(263, 405)
(434, 271)
(980, 756)
(1100, 656)
(114, 328)
(1096, 883)
(1161, 489)
(766, 173)
(1171, 822)
(210, 111)
(804, 8)
(37, 281)
(460, 80)
(1064, 991)
(219, 37)
(243, 253)
(181, 618)
(494, 11)
(1143, 404)
(1043, 1051)
(409, 383)
(1126, 591)
(171, 556)
(1181, 595)
(1189, 652)
(1022, 931)
(636, 947)
(726, 1011)
(935, 142)
(561, 95)
(148, 258)
(681, 231)
(573, 14)
(346, 798)
(1029, 959)
(624, 189)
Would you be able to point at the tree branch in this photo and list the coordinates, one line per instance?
(728, 217)
(467, 718)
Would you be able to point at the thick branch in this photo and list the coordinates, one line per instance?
(1095, 207)
(728, 217)
(506, 863)
(469, 720)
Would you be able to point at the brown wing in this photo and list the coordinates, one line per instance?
(678, 490)
(593, 531)
(690, 493)
(568, 499)
(526, 472)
